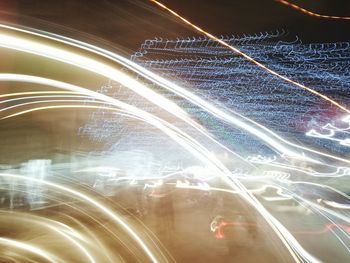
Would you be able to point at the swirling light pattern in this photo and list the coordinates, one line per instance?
(121, 204)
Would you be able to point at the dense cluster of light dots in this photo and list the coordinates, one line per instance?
(215, 73)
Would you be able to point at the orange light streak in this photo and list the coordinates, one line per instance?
(307, 12)
(249, 58)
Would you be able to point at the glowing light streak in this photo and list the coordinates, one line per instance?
(313, 133)
(324, 187)
(143, 115)
(339, 170)
(35, 92)
(316, 205)
(336, 205)
(93, 202)
(29, 248)
(200, 67)
(280, 227)
(39, 97)
(96, 67)
(46, 101)
(250, 58)
(307, 12)
(332, 131)
(43, 50)
(63, 230)
(149, 118)
(302, 156)
(71, 106)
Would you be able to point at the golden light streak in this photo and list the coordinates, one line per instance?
(307, 12)
(186, 141)
(35, 93)
(45, 102)
(91, 201)
(54, 98)
(278, 228)
(158, 80)
(63, 230)
(249, 58)
(29, 248)
(97, 67)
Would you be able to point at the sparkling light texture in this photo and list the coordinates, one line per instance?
(193, 135)
(214, 73)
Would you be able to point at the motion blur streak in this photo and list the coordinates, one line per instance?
(252, 59)
(197, 150)
(42, 97)
(93, 202)
(147, 117)
(305, 11)
(58, 107)
(29, 248)
(111, 73)
(281, 231)
(67, 232)
(34, 93)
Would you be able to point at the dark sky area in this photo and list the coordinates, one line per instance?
(126, 23)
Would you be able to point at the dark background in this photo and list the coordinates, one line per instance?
(126, 23)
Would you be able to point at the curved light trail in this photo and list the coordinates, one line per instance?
(35, 93)
(29, 248)
(93, 202)
(310, 13)
(186, 141)
(235, 119)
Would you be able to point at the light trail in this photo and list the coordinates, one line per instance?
(94, 203)
(67, 58)
(34, 93)
(318, 208)
(29, 248)
(332, 132)
(74, 59)
(47, 101)
(69, 106)
(47, 96)
(295, 145)
(296, 250)
(249, 58)
(325, 187)
(279, 229)
(86, 244)
(63, 230)
(310, 13)
(147, 117)
(339, 172)
(80, 241)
